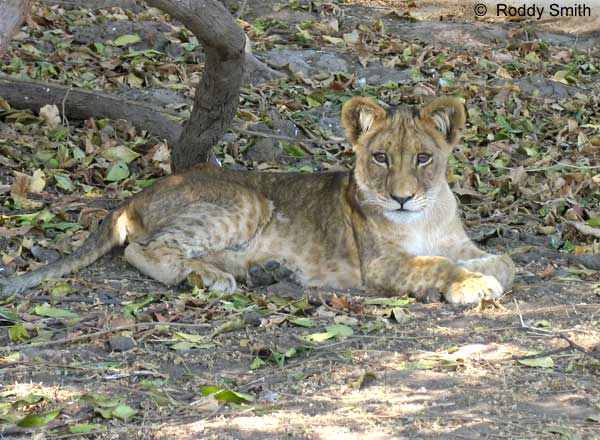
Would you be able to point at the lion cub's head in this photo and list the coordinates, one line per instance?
(401, 156)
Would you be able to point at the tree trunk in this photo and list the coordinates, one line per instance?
(217, 94)
(12, 14)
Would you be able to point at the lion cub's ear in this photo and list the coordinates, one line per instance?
(359, 115)
(446, 116)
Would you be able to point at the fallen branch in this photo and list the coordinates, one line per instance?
(586, 260)
(554, 334)
(84, 104)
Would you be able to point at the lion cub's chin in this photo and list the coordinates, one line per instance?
(405, 216)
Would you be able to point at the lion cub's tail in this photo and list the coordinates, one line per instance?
(111, 233)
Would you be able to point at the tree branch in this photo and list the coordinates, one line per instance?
(217, 94)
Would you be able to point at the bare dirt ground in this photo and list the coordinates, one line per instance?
(108, 354)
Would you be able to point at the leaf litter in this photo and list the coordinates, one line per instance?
(528, 169)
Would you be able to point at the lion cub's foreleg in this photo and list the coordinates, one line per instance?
(474, 259)
(406, 274)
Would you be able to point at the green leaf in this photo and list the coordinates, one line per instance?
(187, 345)
(61, 288)
(31, 399)
(84, 428)
(63, 181)
(257, 363)
(304, 35)
(123, 412)
(302, 322)
(18, 333)
(105, 413)
(131, 309)
(127, 39)
(312, 103)
(398, 302)
(225, 395)
(190, 338)
(119, 154)
(63, 226)
(143, 183)
(541, 362)
(332, 332)
(542, 323)
(37, 420)
(292, 150)
(7, 315)
(118, 171)
(340, 330)
(51, 312)
(418, 365)
(593, 222)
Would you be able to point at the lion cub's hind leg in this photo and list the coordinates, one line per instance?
(168, 266)
(188, 239)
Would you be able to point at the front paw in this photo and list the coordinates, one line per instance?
(473, 289)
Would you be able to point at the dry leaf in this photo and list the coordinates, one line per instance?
(38, 182)
(51, 115)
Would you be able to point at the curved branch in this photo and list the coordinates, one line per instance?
(217, 94)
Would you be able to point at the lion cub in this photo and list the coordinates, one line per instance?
(391, 224)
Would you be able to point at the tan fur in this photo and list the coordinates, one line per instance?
(342, 230)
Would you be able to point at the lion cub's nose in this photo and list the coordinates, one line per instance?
(402, 199)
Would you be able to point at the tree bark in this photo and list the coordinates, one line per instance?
(12, 14)
(217, 94)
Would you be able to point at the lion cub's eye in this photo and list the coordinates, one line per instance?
(380, 157)
(423, 158)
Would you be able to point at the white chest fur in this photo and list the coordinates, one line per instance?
(421, 240)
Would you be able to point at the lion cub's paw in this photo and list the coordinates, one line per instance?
(474, 289)
(211, 279)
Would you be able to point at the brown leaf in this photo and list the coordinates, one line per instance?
(547, 272)
(518, 176)
(340, 303)
(20, 186)
(13, 232)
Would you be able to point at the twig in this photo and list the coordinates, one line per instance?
(101, 333)
(240, 11)
(555, 334)
(287, 138)
(65, 121)
(562, 164)
(576, 346)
